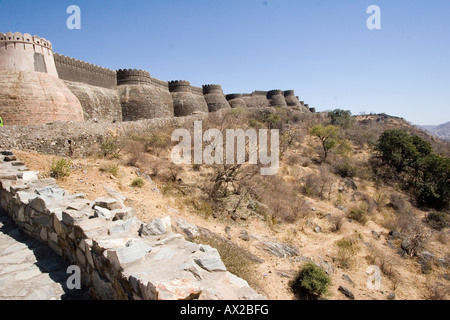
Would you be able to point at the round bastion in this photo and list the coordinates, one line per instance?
(30, 90)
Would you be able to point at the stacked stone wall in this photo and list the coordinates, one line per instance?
(119, 256)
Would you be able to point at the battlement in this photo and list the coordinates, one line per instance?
(289, 93)
(259, 93)
(234, 96)
(212, 89)
(180, 86)
(272, 93)
(19, 38)
(23, 52)
(133, 76)
(71, 69)
(159, 83)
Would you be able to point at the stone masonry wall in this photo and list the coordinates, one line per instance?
(71, 69)
(120, 257)
(78, 139)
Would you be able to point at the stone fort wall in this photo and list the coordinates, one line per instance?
(119, 256)
(23, 52)
(71, 69)
(105, 95)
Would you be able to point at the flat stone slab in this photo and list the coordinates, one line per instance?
(29, 270)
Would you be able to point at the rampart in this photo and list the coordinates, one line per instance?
(79, 71)
(119, 256)
(104, 95)
(143, 97)
(23, 52)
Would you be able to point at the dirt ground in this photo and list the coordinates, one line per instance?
(274, 274)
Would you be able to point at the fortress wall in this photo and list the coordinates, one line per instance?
(187, 100)
(23, 52)
(197, 91)
(99, 104)
(79, 71)
(215, 98)
(160, 84)
(103, 238)
(82, 139)
(28, 98)
(139, 102)
(143, 97)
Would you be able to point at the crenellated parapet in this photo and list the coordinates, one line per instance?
(187, 100)
(276, 98)
(291, 99)
(212, 89)
(24, 52)
(179, 86)
(71, 69)
(133, 76)
(215, 98)
(18, 38)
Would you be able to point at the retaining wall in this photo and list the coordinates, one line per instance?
(120, 257)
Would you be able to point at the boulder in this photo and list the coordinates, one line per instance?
(279, 250)
(346, 293)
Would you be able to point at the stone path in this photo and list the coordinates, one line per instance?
(29, 270)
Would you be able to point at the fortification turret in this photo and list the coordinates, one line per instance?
(180, 86)
(236, 100)
(215, 98)
(276, 98)
(291, 99)
(129, 76)
(140, 99)
(30, 90)
(23, 52)
(186, 99)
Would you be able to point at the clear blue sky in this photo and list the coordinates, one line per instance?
(320, 48)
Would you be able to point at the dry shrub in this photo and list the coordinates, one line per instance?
(399, 204)
(436, 290)
(135, 152)
(385, 261)
(347, 249)
(236, 259)
(280, 197)
(293, 159)
(336, 223)
(318, 184)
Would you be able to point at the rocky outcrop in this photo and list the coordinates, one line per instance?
(105, 240)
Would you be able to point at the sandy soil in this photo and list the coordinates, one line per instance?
(89, 179)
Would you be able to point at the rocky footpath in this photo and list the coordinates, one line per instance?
(120, 257)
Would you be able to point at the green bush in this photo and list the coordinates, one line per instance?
(61, 168)
(346, 168)
(110, 147)
(342, 118)
(112, 169)
(359, 216)
(137, 183)
(311, 283)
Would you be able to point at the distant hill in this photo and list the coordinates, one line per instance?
(442, 131)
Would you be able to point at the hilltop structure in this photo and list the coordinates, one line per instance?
(30, 90)
(38, 86)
